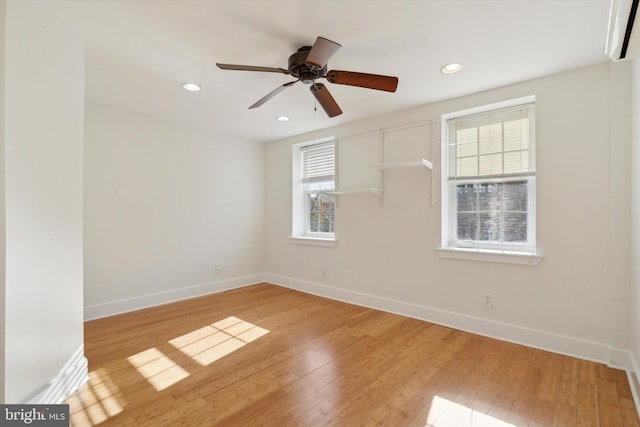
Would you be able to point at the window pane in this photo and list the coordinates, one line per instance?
(467, 226)
(490, 197)
(490, 227)
(321, 212)
(492, 212)
(467, 166)
(320, 186)
(515, 196)
(490, 138)
(515, 227)
(467, 142)
(517, 162)
(467, 199)
(490, 164)
(516, 135)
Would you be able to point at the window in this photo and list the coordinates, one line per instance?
(314, 177)
(489, 178)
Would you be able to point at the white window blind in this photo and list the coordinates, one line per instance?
(498, 143)
(319, 162)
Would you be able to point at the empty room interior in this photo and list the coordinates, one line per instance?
(313, 213)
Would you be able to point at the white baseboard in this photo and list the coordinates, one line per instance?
(620, 359)
(70, 378)
(633, 374)
(144, 301)
(506, 332)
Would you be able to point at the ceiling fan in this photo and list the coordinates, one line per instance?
(310, 63)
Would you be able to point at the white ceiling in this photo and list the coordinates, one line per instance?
(139, 53)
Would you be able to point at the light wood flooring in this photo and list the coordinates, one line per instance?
(269, 356)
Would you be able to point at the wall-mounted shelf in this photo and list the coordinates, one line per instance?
(376, 191)
(404, 165)
(361, 161)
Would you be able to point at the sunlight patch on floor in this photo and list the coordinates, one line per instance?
(96, 401)
(445, 413)
(213, 342)
(157, 368)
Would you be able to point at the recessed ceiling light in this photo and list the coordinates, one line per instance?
(282, 118)
(451, 68)
(191, 87)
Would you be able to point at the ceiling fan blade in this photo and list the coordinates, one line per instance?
(322, 50)
(272, 94)
(325, 99)
(251, 68)
(369, 81)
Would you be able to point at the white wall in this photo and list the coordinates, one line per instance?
(165, 203)
(3, 271)
(43, 96)
(570, 302)
(619, 200)
(634, 319)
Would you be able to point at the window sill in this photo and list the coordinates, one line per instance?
(312, 241)
(490, 256)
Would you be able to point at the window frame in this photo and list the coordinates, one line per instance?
(451, 246)
(301, 233)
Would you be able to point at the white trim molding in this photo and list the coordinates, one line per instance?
(70, 378)
(633, 374)
(125, 305)
(624, 359)
(555, 343)
(312, 241)
(490, 255)
(620, 359)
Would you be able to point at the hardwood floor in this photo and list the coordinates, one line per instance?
(269, 356)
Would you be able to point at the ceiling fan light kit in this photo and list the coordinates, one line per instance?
(308, 64)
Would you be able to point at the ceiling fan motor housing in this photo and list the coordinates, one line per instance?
(299, 68)
(308, 64)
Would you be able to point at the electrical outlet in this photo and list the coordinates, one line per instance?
(218, 269)
(487, 300)
(324, 271)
